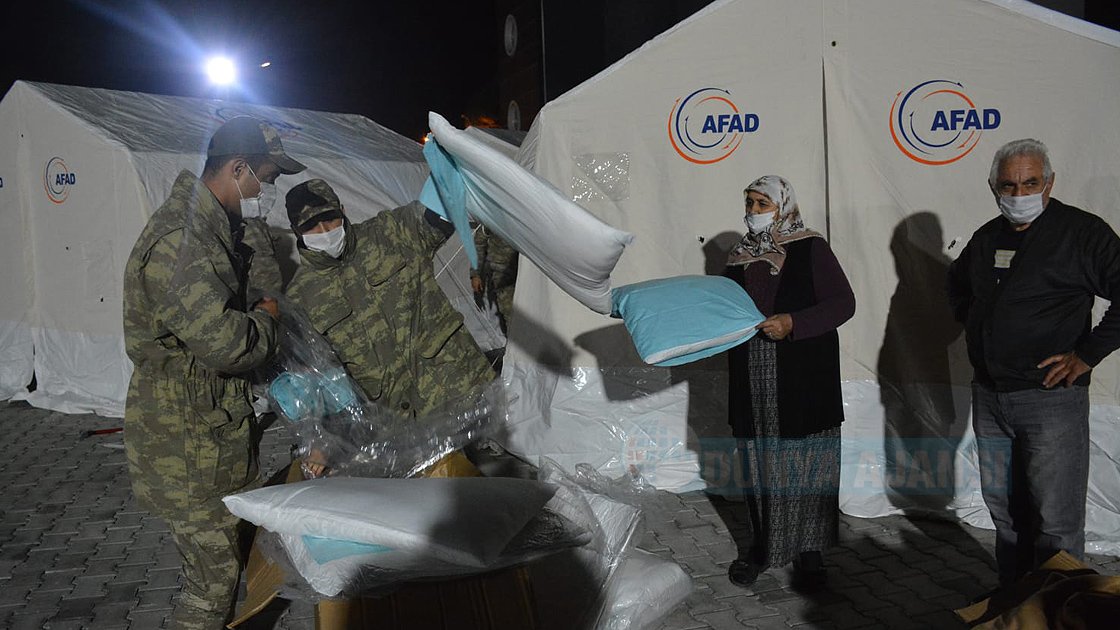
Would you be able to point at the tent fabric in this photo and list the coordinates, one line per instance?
(884, 114)
(16, 346)
(81, 172)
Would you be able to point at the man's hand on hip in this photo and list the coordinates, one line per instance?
(1066, 367)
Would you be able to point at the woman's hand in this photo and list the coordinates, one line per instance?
(777, 327)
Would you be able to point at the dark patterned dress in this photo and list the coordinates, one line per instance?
(786, 406)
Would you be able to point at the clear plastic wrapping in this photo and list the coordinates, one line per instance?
(601, 176)
(338, 427)
(615, 585)
(604, 593)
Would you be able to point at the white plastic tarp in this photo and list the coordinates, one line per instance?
(823, 93)
(82, 169)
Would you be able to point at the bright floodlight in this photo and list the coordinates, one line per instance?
(221, 71)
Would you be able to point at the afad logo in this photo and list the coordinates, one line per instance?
(936, 123)
(57, 180)
(286, 129)
(706, 126)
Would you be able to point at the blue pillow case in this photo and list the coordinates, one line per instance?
(312, 395)
(679, 320)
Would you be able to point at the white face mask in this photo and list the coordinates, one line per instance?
(330, 243)
(758, 223)
(1020, 210)
(259, 206)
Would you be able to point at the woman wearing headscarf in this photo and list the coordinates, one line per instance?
(785, 404)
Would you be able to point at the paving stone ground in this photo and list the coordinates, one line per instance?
(75, 552)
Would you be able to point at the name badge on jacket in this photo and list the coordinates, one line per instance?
(1003, 258)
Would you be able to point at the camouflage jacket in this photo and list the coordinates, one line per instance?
(265, 276)
(389, 322)
(188, 417)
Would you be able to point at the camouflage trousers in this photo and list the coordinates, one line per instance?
(213, 547)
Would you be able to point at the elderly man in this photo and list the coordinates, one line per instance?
(1024, 288)
(370, 289)
(192, 336)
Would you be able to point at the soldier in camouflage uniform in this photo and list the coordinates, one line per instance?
(497, 273)
(371, 290)
(192, 336)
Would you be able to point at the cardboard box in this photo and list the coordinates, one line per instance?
(498, 600)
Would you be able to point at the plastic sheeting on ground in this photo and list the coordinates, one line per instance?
(636, 421)
(606, 584)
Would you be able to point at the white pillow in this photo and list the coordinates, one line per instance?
(465, 521)
(678, 320)
(571, 246)
(644, 590)
(339, 567)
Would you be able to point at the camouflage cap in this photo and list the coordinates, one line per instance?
(309, 200)
(245, 135)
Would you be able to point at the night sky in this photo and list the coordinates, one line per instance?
(390, 61)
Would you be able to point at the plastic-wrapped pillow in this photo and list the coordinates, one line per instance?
(341, 567)
(575, 249)
(644, 590)
(678, 320)
(312, 393)
(464, 521)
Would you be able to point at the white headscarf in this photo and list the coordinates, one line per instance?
(769, 245)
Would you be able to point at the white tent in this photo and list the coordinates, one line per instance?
(884, 114)
(80, 172)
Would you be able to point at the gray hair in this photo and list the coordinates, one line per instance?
(1015, 148)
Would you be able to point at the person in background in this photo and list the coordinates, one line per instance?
(1024, 288)
(193, 336)
(493, 283)
(785, 405)
(497, 274)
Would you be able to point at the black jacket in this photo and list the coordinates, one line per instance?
(808, 369)
(1044, 304)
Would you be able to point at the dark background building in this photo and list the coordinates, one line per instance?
(486, 62)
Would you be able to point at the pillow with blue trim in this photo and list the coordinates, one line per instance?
(679, 320)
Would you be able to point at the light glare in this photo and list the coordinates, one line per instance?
(221, 71)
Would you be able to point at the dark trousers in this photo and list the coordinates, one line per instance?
(1033, 448)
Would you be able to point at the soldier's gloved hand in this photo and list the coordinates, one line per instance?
(269, 306)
